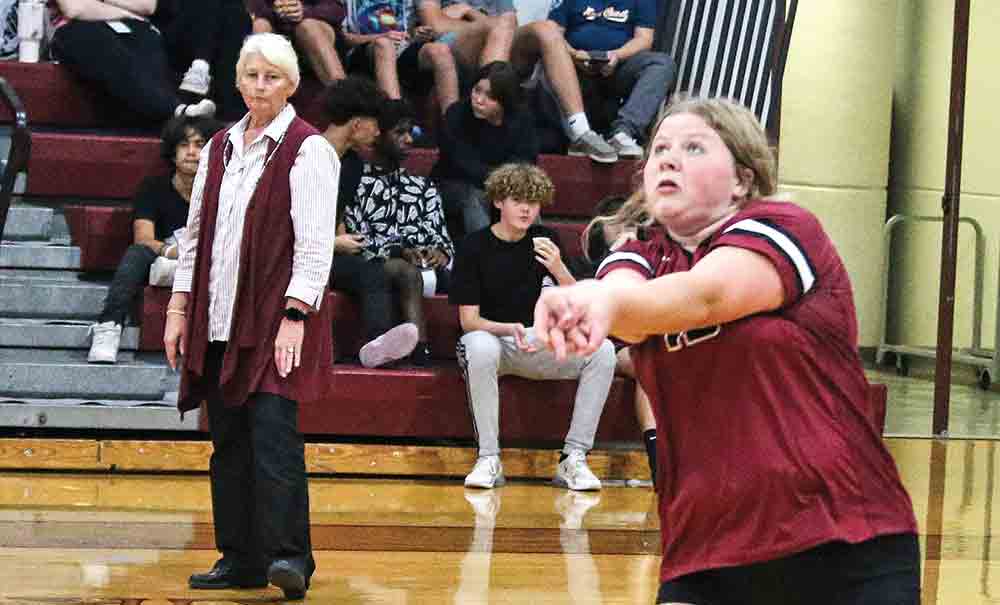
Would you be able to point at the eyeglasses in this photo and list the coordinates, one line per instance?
(676, 342)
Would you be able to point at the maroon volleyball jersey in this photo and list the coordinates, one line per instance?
(767, 445)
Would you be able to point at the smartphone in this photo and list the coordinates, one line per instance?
(598, 56)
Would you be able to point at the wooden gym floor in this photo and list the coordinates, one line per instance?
(70, 538)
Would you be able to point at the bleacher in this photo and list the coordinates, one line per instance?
(69, 227)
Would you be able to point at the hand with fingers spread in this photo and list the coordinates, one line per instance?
(574, 320)
(288, 346)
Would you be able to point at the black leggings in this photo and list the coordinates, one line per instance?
(880, 571)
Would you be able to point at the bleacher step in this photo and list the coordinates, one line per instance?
(87, 414)
(56, 334)
(50, 298)
(28, 223)
(39, 255)
(60, 380)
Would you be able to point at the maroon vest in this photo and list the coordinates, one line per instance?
(264, 274)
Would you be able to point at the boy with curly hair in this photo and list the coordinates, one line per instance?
(498, 276)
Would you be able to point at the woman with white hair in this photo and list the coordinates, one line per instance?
(253, 270)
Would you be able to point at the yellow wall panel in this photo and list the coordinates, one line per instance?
(835, 116)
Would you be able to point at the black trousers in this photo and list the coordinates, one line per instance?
(130, 278)
(131, 67)
(881, 571)
(365, 280)
(211, 30)
(260, 493)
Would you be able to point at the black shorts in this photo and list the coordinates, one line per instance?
(360, 60)
(881, 571)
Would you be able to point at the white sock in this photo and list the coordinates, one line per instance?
(578, 125)
(200, 65)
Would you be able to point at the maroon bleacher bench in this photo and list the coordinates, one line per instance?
(428, 403)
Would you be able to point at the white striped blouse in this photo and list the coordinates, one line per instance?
(313, 179)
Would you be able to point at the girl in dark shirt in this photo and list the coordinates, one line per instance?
(479, 134)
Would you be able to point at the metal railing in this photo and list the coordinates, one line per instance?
(20, 149)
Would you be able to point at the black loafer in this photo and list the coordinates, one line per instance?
(289, 578)
(223, 575)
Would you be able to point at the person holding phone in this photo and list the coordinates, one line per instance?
(353, 107)
(401, 217)
(608, 42)
(500, 272)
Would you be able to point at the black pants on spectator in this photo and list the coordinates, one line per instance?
(260, 492)
(365, 280)
(130, 277)
(131, 67)
(211, 30)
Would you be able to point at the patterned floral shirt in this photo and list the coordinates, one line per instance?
(396, 210)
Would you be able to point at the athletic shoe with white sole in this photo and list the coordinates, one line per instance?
(595, 147)
(487, 474)
(394, 345)
(573, 473)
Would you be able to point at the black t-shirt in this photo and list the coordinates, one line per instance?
(503, 278)
(159, 202)
(351, 167)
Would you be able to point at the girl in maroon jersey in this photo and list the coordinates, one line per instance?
(775, 486)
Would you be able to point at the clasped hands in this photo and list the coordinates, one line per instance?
(574, 320)
(289, 10)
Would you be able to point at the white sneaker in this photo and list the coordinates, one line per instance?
(573, 507)
(394, 345)
(573, 473)
(197, 78)
(595, 147)
(204, 108)
(626, 146)
(487, 474)
(107, 337)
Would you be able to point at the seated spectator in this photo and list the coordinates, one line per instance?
(608, 42)
(352, 105)
(161, 208)
(116, 47)
(310, 25)
(500, 272)
(483, 131)
(611, 229)
(203, 42)
(388, 44)
(479, 31)
(401, 219)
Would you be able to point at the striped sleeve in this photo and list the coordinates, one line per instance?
(187, 246)
(635, 256)
(313, 178)
(784, 243)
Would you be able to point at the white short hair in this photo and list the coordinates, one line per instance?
(275, 49)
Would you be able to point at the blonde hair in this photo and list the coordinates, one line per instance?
(275, 49)
(629, 216)
(742, 133)
(524, 182)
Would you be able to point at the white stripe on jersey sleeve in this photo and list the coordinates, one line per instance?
(630, 257)
(784, 243)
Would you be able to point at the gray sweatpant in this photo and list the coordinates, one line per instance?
(484, 358)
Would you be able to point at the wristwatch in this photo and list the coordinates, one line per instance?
(293, 314)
